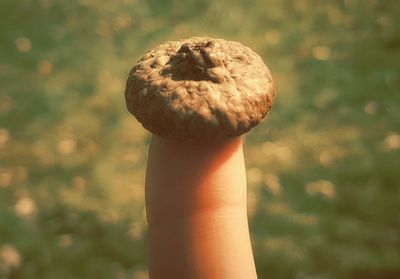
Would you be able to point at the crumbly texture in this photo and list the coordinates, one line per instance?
(199, 88)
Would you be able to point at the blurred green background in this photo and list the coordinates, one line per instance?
(323, 170)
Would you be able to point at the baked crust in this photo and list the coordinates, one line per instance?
(199, 88)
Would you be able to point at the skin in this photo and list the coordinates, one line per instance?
(196, 210)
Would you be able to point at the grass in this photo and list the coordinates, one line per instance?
(324, 191)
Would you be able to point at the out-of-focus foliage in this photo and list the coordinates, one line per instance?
(323, 171)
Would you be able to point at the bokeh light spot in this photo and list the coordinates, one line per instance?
(25, 207)
(45, 67)
(4, 137)
(392, 141)
(370, 108)
(5, 178)
(23, 44)
(321, 52)
(9, 257)
(323, 187)
(273, 184)
(254, 176)
(66, 146)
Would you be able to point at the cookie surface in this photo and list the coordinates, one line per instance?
(199, 88)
